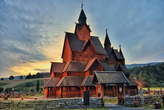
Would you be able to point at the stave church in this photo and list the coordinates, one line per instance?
(89, 65)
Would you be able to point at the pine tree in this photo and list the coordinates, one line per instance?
(37, 86)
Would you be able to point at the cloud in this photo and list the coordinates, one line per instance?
(32, 32)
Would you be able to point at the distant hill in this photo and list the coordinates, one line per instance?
(141, 65)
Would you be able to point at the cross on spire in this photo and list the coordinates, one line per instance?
(81, 5)
(106, 30)
(120, 45)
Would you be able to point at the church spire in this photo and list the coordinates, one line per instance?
(107, 43)
(121, 52)
(82, 17)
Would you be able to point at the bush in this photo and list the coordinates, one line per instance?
(2, 78)
(29, 84)
(8, 90)
(1, 89)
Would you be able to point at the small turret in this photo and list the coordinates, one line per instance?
(107, 44)
(82, 18)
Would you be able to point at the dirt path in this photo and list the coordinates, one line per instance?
(13, 83)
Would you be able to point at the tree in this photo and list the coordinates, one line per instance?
(28, 76)
(29, 84)
(37, 86)
(11, 77)
(2, 78)
(21, 77)
(1, 89)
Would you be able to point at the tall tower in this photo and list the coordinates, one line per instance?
(107, 44)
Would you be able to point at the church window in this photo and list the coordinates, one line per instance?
(85, 55)
(80, 55)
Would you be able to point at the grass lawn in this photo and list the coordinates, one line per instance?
(2, 84)
(103, 108)
(111, 100)
(38, 95)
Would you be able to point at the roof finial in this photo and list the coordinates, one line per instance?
(81, 5)
(120, 46)
(106, 30)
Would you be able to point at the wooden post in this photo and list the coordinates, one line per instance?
(114, 92)
(117, 93)
(102, 91)
(96, 91)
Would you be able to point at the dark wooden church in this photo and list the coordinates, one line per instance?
(87, 65)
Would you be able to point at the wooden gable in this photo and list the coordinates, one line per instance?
(87, 52)
(67, 53)
(83, 32)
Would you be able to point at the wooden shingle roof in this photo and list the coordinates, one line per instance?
(97, 45)
(57, 67)
(111, 77)
(52, 82)
(107, 67)
(87, 81)
(132, 83)
(70, 81)
(75, 66)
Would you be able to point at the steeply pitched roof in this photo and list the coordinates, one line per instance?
(106, 66)
(132, 83)
(118, 55)
(107, 41)
(57, 67)
(111, 77)
(71, 81)
(82, 15)
(52, 82)
(124, 70)
(74, 43)
(75, 66)
(97, 45)
(46, 81)
(108, 52)
(87, 81)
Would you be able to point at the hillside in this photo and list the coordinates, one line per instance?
(12, 83)
(150, 75)
(141, 65)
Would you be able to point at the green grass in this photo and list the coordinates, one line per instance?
(22, 86)
(2, 84)
(103, 108)
(111, 100)
(38, 95)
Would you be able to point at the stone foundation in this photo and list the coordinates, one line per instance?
(150, 99)
(49, 104)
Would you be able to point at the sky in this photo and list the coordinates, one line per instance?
(32, 31)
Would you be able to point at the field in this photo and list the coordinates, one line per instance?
(154, 88)
(11, 83)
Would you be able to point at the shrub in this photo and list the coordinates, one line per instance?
(8, 90)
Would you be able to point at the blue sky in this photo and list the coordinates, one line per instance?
(32, 31)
